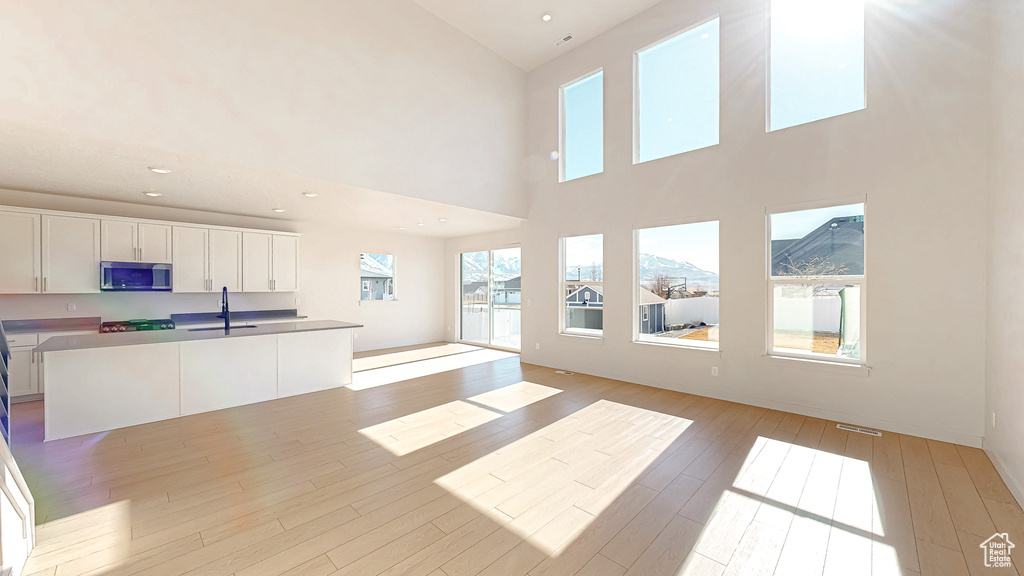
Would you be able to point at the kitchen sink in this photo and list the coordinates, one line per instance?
(217, 328)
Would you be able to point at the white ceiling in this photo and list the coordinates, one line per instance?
(514, 29)
(57, 163)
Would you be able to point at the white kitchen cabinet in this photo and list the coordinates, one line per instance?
(21, 253)
(225, 261)
(256, 264)
(126, 241)
(119, 241)
(271, 262)
(154, 243)
(71, 255)
(191, 259)
(285, 263)
(24, 372)
(207, 260)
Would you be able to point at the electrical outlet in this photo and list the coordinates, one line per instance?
(993, 418)
(449, 328)
(529, 302)
(714, 370)
(538, 345)
(71, 307)
(298, 301)
(355, 335)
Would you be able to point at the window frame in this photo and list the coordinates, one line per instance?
(563, 283)
(849, 279)
(561, 124)
(768, 72)
(636, 90)
(393, 278)
(637, 336)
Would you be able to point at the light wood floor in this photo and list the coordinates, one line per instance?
(506, 469)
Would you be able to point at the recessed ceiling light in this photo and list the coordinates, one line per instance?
(419, 223)
(442, 219)
(278, 210)
(309, 194)
(152, 194)
(159, 170)
(546, 17)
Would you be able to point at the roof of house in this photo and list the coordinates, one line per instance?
(512, 284)
(838, 243)
(471, 287)
(648, 297)
(363, 273)
(596, 289)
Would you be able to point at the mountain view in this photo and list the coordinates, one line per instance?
(653, 266)
(474, 267)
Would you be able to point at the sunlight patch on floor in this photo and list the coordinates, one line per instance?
(553, 483)
(799, 509)
(392, 374)
(102, 538)
(406, 356)
(514, 397)
(410, 433)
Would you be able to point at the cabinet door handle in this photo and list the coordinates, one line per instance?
(35, 284)
(44, 283)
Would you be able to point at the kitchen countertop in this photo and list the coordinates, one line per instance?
(60, 343)
(241, 316)
(51, 325)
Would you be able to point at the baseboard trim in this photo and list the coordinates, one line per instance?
(825, 414)
(1012, 482)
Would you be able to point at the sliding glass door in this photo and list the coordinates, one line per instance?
(491, 297)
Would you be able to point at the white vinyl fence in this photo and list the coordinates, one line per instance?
(797, 314)
(506, 324)
(692, 310)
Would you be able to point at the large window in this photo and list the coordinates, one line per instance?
(677, 285)
(583, 285)
(677, 91)
(817, 283)
(816, 60)
(377, 276)
(491, 297)
(582, 147)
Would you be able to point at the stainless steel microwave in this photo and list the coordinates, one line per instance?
(134, 277)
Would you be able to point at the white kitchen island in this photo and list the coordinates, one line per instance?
(100, 382)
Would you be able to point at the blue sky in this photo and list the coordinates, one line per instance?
(584, 250)
(584, 127)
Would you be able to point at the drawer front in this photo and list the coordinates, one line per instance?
(31, 339)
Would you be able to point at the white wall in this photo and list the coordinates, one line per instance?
(381, 95)
(328, 278)
(1005, 441)
(919, 153)
(692, 310)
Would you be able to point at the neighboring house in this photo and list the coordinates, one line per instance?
(585, 308)
(376, 286)
(508, 291)
(474, 292)
(652, 312)
(838, 242)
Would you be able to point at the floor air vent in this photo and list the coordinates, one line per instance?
(564, 372)
(867, 431)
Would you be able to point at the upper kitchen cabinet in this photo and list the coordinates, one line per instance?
(71, 255)
(207, 260)
(226, 260)
(286, 263)
(20, 253)
(191, 267)
(270, 262)
(126, 241)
